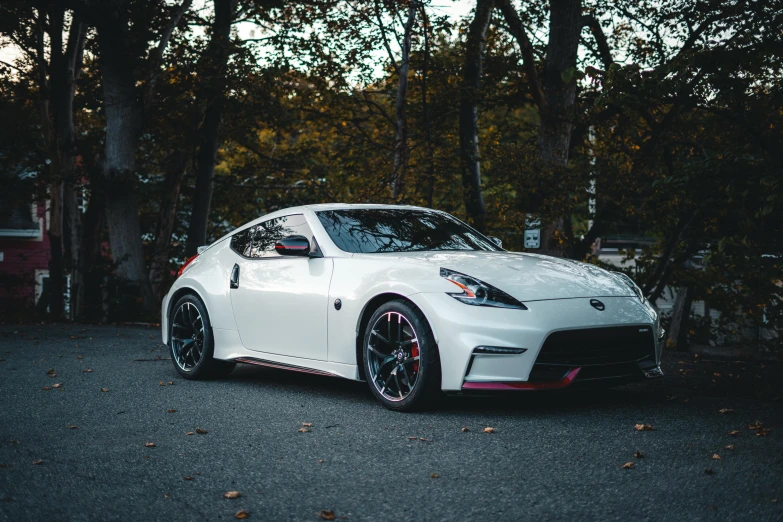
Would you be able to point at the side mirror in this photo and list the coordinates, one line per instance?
(293, 246)
(497, 241)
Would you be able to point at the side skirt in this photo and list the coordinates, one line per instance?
(284, 366)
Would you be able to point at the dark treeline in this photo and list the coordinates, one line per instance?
(173, 122)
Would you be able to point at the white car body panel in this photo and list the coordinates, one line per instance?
(284, 312)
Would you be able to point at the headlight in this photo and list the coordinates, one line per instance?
(478, 293)
(633, 286)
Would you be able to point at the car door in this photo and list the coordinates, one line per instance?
(280, 302)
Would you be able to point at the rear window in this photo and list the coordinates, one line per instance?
(371, 230)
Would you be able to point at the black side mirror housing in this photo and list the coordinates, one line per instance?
(293, 246)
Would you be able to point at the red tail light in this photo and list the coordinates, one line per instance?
(183, 267)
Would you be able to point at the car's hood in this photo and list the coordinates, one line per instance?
(527, 277)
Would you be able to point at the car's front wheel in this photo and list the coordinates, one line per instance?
(401, 361)
(191, 342)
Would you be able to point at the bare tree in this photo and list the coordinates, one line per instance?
(468, 114)
(212, 91)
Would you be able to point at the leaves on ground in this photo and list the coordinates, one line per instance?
(47, 388)
(201, 431)
(162, 383)
(57, 385)
(187, 477)
(241, 514)
(104, 390)
(730, 447)
(149, 444)
(38, 462)
(463, 430)
(627, 465)
(326, 514)
(488, 430)
(72, 426)
(320, 461)
(643, 427)
(734, 433)
(172, 410)
(725, 410)
(638, 454)
(307, 424)
(304, 430)
(715, 456)
(756, 426)
(762, 432)
(231, 494)
(87, 370)
(189, 433)
(434, 475)
(50, 372)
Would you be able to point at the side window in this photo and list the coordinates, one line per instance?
(259, 241)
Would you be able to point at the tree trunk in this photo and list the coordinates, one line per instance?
(401, 139)
(554, 130)
(167, 220)
(123, 122)
(468, 115)
(681, 314)
(213, 88)
(425, 108)
(93, 267)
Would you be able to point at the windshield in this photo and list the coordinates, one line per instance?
(373, 230)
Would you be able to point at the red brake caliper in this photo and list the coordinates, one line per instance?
(415, 353)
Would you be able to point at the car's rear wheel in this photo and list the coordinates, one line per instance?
(191, 343)
(401, 361)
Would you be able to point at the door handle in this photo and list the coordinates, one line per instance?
(234, 283)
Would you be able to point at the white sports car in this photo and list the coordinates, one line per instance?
(409, 299)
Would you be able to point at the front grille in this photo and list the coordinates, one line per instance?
(597, 346)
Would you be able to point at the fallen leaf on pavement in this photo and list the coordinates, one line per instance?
(231, 494)
(627, 465)
(50, 372)
(762, 432)
(434, 475)
(38, 462)
(201, 431)
(172, 410)
(320, 461)
(326, 514)
(104, 390)
(171, 383)
(464, 430)
(756, 426)
(488, 430)
(57, 385)
(189, 433)
(187, 477)
(304, 430)
(72, 426)
(411, 438)
(87, 370)
(150, 444)
(734, 433)
(643, 427)
(725, 410)
(638, 454)
(730, 447)
(79, 357)
(716, 457)
(716, 374)
(162, 383)
(46, 388)
(307, 424)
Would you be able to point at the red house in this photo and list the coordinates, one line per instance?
(24, 255)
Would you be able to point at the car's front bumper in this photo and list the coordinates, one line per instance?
(460, 328)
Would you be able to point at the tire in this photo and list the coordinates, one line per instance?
(396, 328)
(191, 343)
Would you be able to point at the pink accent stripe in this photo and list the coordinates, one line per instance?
(513, 385)
(269, 364)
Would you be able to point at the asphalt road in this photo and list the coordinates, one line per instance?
(552, 456)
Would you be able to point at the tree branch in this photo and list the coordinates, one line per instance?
(604, 52)
(528, 59)
(157, 55)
